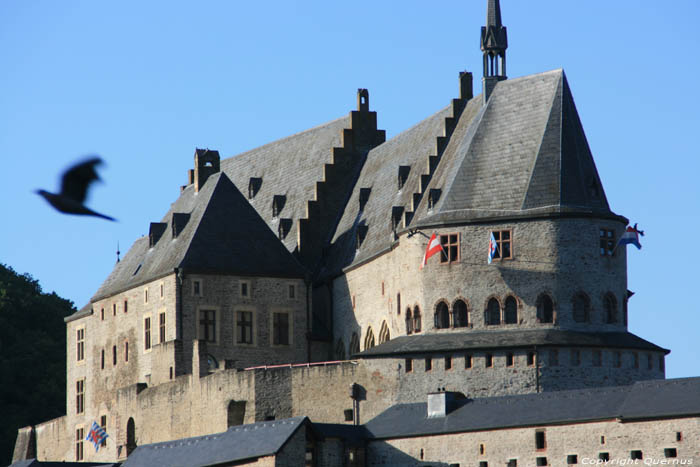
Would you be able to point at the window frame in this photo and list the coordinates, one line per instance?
(80, 396)
(162, 326)
(498, 236)
(290, 328)
(80, 344)
(248, 287)
(197, 287)
(147, 333)
(79, 439)
(253, 320)
(447, 247)
(216, 321)
(606, 242)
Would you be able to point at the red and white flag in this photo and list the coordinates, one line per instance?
(434, 247)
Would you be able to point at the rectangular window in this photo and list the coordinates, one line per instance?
(540, 440)
(670, 452)
(467, 362)
(80, 344)
(513, 463)
(280, 328)
(102, 359)
(448, 363)
(161, 327)
(114, 309)
(607, 242)
(509, 359)
(103, 425)
(126, 351)
(650, 362)
(572, 459)
(531, 359)
(541, 461)
(450, 248)
(597, 358)
(636, 454)
(292, 290)
(79, 435)
(207, 325)
(196, 288)
(80, 396)
(553, 357)
(575, 357)
(162, 290)
(114, 355)
(244, 327)
(489, 360)
(102, 314)
(147, 333)
(604, 456)
(145, 295)
(245, 289)
(428, 364)
(126, 306)
(409, 365)
(504, 244)
(635, 358)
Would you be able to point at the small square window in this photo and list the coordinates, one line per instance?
(541, 461)
(607, 242)
(572, 459)
(513, 463)
(636, 454)
(670, 452)
(483, 464)
(409, 365)
(504, 244)
(450, 248)
(245, 289)
(604, 456)
(349, 415)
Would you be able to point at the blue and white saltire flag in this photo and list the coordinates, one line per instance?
(631, 236)
(492, 247)
(97, 435)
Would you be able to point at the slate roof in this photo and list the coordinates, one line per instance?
(291, 167)
(455, 341)
(522, 155)
(642, 400)
(236, 444)
(36, 463)
(223, 234)
(84, 311)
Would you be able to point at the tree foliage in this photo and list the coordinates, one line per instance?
(32, 356)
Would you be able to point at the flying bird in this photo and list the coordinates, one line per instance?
(74, 186)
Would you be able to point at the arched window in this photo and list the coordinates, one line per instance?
(235, 413)
(582, 308)
(493, 312)
(610, 305)
(354, 344)
(369, 339)
(340, 350)
(409, 321)
(416, 319)
(460, 317)
(442, 316)
(511, 313)
(130, 436)
(384, 335)
(545, 309)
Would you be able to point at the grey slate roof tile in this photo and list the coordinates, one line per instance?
(472, 340)
(236, 444)
(641, 400)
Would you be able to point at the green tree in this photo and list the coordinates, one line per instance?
(32, 356)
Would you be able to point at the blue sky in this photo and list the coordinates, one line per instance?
(145, 83)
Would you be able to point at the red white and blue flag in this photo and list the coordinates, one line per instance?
(493, 247)
(631, 236)
(434, 247)
(97, 435)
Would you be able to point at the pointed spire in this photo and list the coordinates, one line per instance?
(493, 14)
(494, 42)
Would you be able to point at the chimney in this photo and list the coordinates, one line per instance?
(206, 163)
(441, 403)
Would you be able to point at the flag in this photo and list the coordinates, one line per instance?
(97, 434)
(433, 248)
(493, 247)
(631, 235)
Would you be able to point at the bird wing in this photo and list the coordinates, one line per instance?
(77, 179)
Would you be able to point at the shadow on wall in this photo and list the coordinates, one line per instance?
(379, 453)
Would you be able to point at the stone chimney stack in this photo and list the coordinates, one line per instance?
(442, 403)
(206, 163)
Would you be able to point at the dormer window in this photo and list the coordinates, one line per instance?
(403, 175)
(396, 214)
(278, 202)
(361, 234)
(364, 197)
(433, 197)
(283, 228)
(254, 186)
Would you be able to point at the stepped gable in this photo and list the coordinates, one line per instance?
(223, 234)
(574, 406)
(525, 154)
(389, 208)
(238, 443)
(460, 341)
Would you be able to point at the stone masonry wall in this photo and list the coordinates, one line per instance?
(585, 440)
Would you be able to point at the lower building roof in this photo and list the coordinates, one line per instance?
(474, 340)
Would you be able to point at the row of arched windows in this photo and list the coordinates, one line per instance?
(369, 342)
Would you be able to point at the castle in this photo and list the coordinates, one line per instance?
(284, 289)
